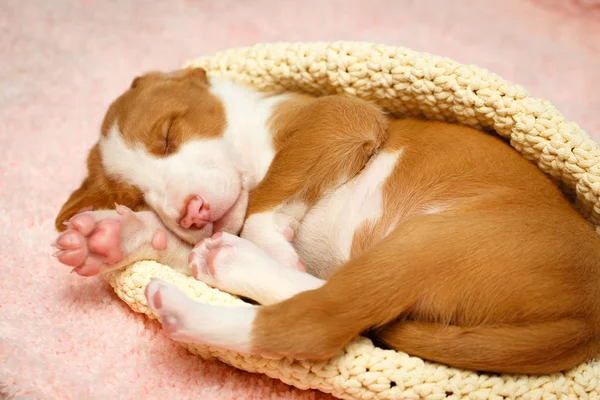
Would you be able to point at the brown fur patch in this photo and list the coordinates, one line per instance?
(99, 191)
(162, 111)
(320, 144)
(491, 283)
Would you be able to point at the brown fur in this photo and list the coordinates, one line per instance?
(99, 191)
(320, 144)
(162, 111)
(492, 283)
(504, 277)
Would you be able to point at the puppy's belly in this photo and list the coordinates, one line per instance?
(324, 238)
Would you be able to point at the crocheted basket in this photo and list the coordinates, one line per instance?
(405, 83)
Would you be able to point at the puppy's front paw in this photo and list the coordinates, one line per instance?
(234, 265)
(213, 258)
(94, 241)
(273, 233)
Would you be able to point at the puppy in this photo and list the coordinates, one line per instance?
(436, 239)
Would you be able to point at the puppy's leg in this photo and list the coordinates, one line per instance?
(273, 231)
(238, 266)
(234, 265)
(98, 241)
(189, 321)
(324, 145)
(318, 324)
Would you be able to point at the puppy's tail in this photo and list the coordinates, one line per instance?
(537, 348)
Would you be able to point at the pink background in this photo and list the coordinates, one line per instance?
(63, 61)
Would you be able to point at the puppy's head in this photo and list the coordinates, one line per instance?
(161, 147)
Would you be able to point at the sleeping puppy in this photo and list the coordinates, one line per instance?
(439, 240)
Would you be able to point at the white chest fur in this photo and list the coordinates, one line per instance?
(324, 239)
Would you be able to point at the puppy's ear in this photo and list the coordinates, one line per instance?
(198, 75)
(147, 78)
(195, 75)
(93, 193)
(99, 192)
(82, 199)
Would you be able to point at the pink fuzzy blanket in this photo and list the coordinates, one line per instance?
(63, 61)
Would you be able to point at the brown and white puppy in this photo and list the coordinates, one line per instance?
(439, 240)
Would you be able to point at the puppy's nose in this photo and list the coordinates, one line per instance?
(196, 214)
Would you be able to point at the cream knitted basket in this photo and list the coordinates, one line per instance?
(405, 83)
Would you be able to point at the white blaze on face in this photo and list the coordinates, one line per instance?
(199, 167)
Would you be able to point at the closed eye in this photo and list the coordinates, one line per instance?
(165, 132)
